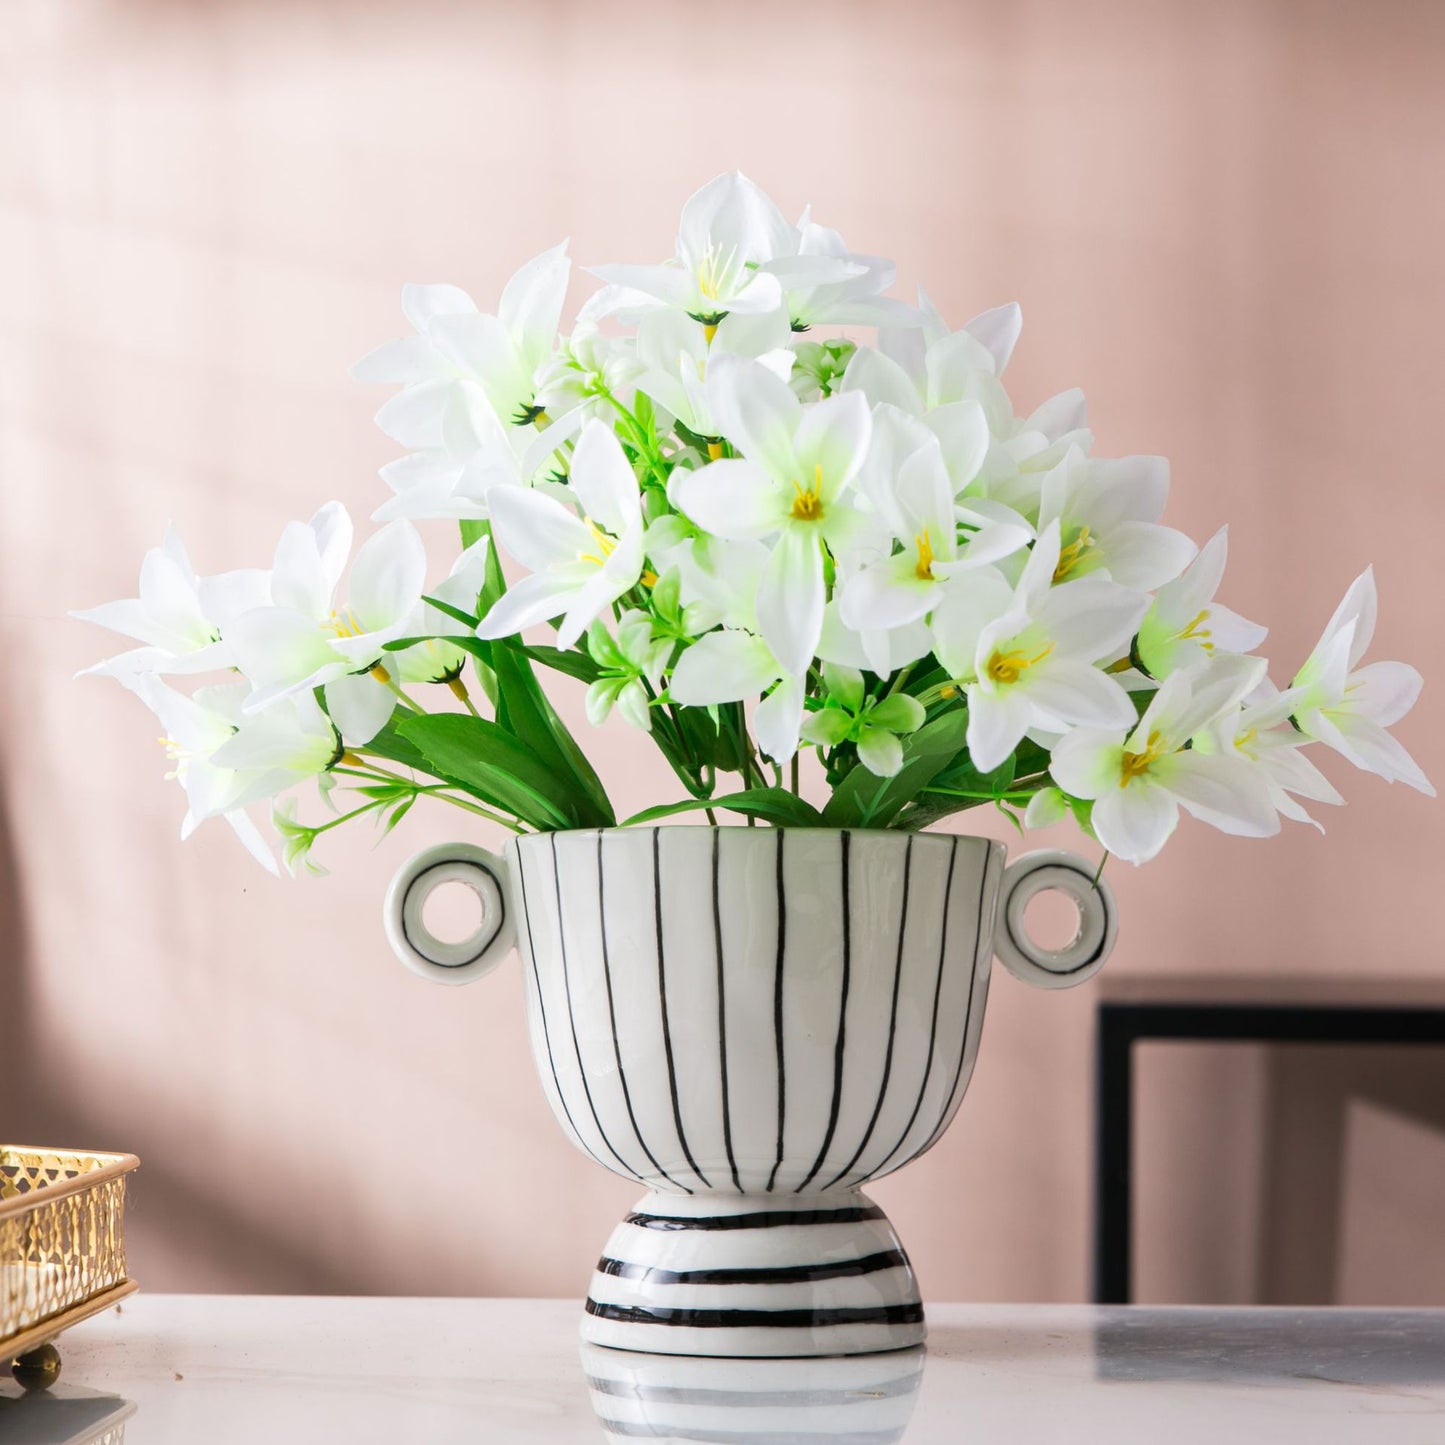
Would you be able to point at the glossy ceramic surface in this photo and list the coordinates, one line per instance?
(753, 1023)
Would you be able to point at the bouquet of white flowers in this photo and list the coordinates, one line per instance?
(751, 541)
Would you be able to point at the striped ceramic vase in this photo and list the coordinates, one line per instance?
(753, 1023)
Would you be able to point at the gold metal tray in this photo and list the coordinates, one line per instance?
(62, 1248)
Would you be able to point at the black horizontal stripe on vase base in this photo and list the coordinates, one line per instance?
(780, 1274)
(759, 1219)
(801, 1319)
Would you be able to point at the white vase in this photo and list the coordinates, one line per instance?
(752, 1023)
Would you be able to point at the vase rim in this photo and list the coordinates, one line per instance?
(761, 830)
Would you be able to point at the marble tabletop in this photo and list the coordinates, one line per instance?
(212, 1370)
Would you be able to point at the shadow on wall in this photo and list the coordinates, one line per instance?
(226, 1249)
(17, 1064)
(1354, 1177)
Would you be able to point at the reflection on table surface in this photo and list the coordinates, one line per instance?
(866, 1398)
(263, 1370)
(73, 1417)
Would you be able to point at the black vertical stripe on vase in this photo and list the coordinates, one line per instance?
(877, 1169)
(572, 1021)
(778, 1011)
(722, 1012)
(892, 1023)
(542, 1010)
(841, 1039)
(978, 944)
(612, 1021)
(662, 999)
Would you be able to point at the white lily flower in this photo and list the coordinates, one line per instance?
(590, 370)
(1108, 514)
(1139, 779)
(1259, 730)
(1185, 624)
(727, 229)
(1349, 708)
(436, 660)
(303, 641)
(797, 465)
(578, 566)
(479, 453)
(675, 359)
(826, 284)
(456, 346)
(225, 761)
(177, 615)
(919, 511)
(1026, 656)
(731, 666)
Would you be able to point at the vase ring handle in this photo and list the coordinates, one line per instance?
(417, 946)
(1078, 960)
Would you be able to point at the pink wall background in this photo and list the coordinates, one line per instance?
(1224, 221)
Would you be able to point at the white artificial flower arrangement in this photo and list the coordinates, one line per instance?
(751, 542)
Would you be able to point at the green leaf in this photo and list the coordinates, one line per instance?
(862, 800)
(524, 711)
(773, 805)
(488, 762)
(389, 744)
(575, 663)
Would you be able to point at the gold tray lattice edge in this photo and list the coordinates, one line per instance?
(62, 1241)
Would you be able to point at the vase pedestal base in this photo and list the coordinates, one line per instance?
(754, 1276)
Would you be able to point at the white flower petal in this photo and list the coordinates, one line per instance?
(757, 413)
(1134, 823)
(732, 498)
(420, 303)
(1074, 694)
(998, 330)
(997, 722)
(1383, 691)
(360, 706)
(388, 576)
(1146, 556)
(831, 441)
(603, 478)
(778, 718)
(1231, 794)
(791, 598)
(1087, 762)
(723, 667)
(537, 529)
(538, 598)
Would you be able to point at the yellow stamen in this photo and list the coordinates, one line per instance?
(1135, 765)
(1069, 556)
(709, 330)
(380, 674)
(344, 624)
(1008, 667)
(351, 759)
(606, 546)
(541, 420)
(947, 691)
(459, 689)
(924, 568)
(714, 450)
(1200, 635)
(1123, 665)
(808, 503)
(1245, 738)
(649, 578)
